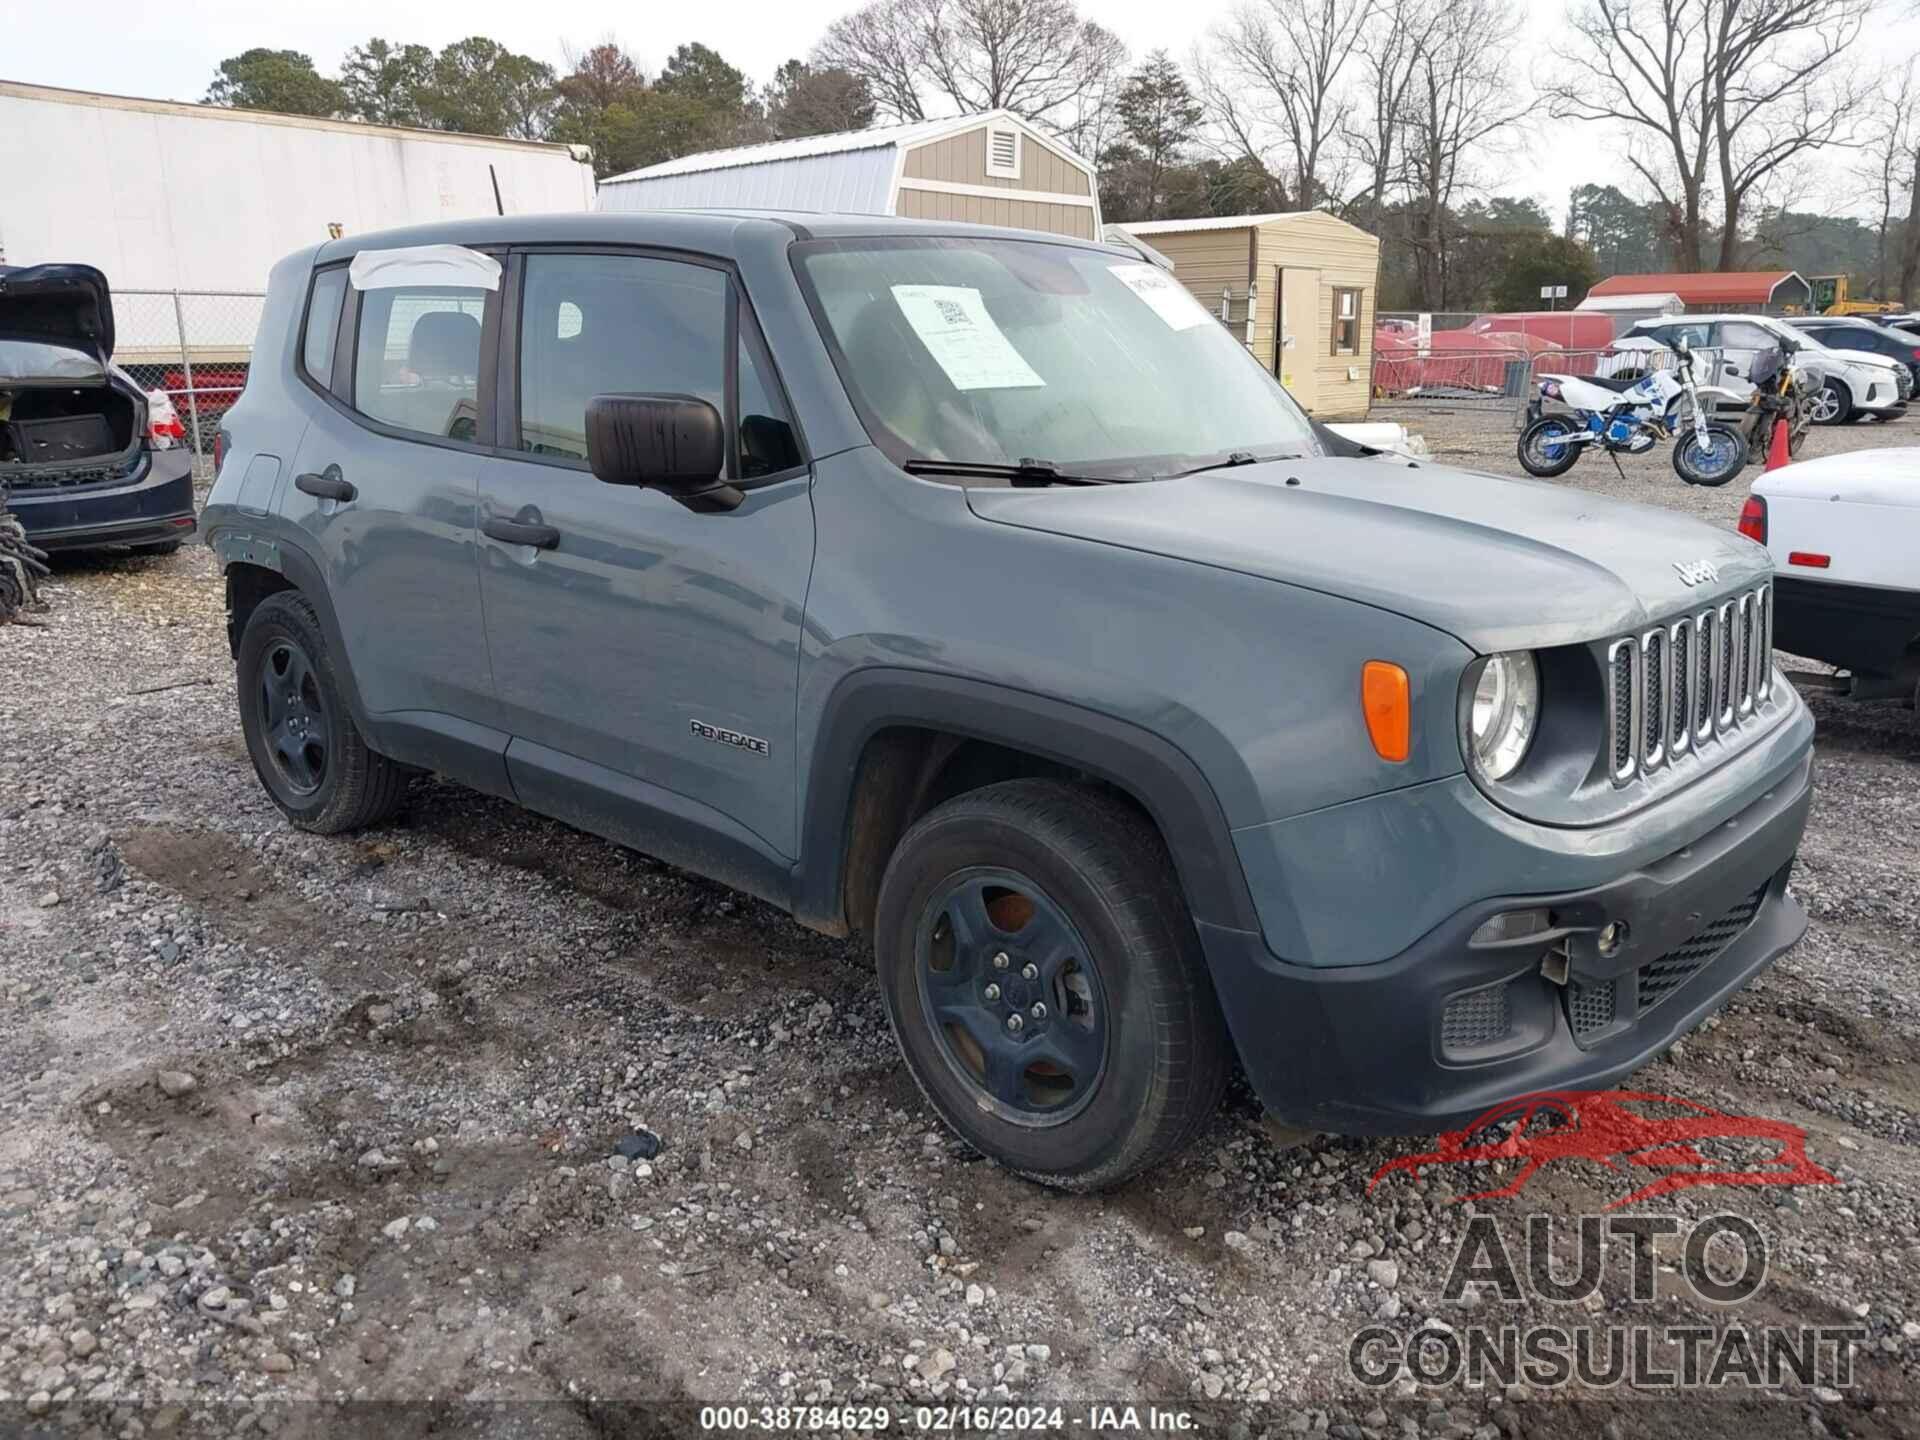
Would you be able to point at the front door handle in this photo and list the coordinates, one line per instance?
(516, 532)
(328, 484)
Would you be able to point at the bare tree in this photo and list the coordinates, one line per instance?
(1037, 58)
(1716, 97)
(1276, 70)
(881, 44)
(1390, 51)
(1887, 163)
(1459, 97)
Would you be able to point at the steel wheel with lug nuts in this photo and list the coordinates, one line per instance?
(1014, 997)
(1045, 982)
(293, 717)
(300, 732)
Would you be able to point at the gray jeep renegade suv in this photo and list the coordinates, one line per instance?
(976, 590)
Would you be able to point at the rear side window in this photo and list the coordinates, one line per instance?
(323, 325)
(614, 324)
(416, 364)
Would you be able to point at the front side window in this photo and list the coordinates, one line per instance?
(1346, 321)
(614, 324)
(997, 351)
(417, 358)
(323, 325)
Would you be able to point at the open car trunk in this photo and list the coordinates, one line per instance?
(66, 417)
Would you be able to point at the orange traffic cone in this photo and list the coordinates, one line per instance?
(1778, 453)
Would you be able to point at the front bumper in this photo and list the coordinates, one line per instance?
(1432, 1038)
(154, 506)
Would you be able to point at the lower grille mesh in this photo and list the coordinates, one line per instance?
(1475, 1019)
(1662, 977)
(1590, 1008)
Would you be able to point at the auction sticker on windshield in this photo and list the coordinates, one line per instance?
(1169, 299)
(953, 323)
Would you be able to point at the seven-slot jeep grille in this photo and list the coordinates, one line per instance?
(1686, 681)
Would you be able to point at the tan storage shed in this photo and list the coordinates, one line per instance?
(991, 169)
(1312, 273)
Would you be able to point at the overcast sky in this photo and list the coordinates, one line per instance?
(171, 52)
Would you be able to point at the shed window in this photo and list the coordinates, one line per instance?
(1346, 322)
(1003, 152)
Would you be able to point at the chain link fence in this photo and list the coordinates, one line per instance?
(192, 346)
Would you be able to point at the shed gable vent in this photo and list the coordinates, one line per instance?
(1003, 152)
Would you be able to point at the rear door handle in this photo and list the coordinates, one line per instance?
(516, 532)
(328, 484)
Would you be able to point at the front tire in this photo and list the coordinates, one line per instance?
(1546, 448)
(1045, 982)
(1710, 454)
(1833, 404)
(306, 749)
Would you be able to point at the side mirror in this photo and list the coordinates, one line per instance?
(672, 443)
(1681, 347)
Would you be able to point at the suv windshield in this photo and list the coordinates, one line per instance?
(1002, 351)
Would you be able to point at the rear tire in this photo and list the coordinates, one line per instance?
(306, 749)
(1539, 455)
(1054, 906)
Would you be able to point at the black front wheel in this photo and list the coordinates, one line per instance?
(1709, 454)
(1045, 982)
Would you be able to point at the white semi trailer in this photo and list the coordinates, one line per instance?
(170, 197)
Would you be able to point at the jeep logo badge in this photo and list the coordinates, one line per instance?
(1696, 572)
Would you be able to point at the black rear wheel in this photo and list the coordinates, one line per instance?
(300, 733)
(1546, 447)
(1045, 982)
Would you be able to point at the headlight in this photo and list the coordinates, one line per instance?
(1502, 712)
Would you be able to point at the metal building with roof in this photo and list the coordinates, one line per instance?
(1771, 291)
(1297, 286)
(991, 169)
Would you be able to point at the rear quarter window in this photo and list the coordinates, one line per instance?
(322, 325)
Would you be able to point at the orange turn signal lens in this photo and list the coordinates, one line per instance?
(1385, 698)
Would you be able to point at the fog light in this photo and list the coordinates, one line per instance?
(1510, 925)
(1613, 936)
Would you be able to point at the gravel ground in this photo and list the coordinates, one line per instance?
(375, 1118)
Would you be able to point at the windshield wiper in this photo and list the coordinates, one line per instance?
(1026, 473)
(1233, 458)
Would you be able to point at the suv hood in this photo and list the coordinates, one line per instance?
(67, 305)
(1499, 564)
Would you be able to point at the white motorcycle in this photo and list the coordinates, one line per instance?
(1631, 417)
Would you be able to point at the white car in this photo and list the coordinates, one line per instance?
(1844, 534)
(1853, 383)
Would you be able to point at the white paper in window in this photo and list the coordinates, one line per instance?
(953, 323)
(1166, 296)
(411, 265)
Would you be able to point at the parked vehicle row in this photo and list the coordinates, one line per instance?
(1852, 383)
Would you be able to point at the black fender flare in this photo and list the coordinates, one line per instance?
(269, 549)
(1156, 773)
